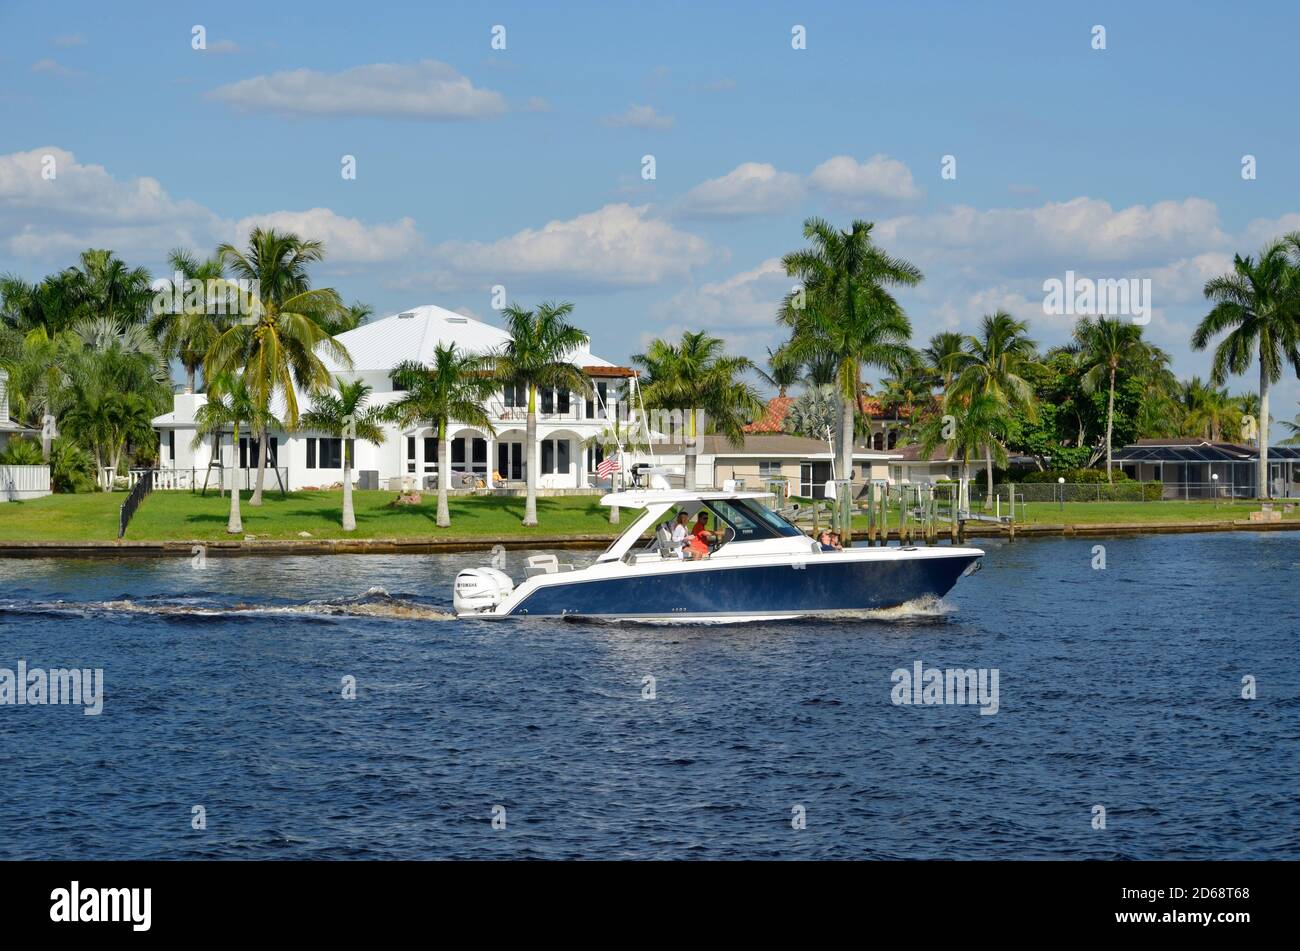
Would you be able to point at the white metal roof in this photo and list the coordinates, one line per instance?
(414, 334)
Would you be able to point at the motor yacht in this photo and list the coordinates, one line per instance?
(760, 566)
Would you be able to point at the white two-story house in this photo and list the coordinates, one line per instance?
(408, 457)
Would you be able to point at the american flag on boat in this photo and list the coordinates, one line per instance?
(608, 466)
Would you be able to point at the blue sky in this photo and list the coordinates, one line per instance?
(523, 166)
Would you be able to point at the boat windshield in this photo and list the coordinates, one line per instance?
(751, 521)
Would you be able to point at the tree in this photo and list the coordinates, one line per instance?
(1106, 344)
(844, 309)
(781, 373)
(696, 375)
(815, 412)
(1256, 309)
(1208, 411)
(189, 332)
(455, 387)
(106, 288)
(229, 405)
(539, 355)
(344, 414)
(1293, 426)
(278, 344)
(942, 357)
(981, 426)
(994, 365)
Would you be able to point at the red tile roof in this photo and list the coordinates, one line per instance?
(773, 417)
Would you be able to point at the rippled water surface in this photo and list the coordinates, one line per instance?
(1118, 687)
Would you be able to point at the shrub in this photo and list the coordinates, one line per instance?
(1075, 476)
(21, 452)
(71, 468)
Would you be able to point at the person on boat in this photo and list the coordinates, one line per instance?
(835, 541)
(681, 536)
(825, 540)
(701, 533)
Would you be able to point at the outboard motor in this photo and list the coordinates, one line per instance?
(480, 589)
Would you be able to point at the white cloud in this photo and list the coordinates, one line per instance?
(1059, 234)
(746, 298)
(641, 117)
(878, 177)
(425, 90)
(618, 245)
(51, 68)
(347, 240)
(1263, 230)
(753, 188)
(85, 206)
(51, 220)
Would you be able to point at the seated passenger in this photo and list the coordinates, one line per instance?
(835, 541)
(681, 533)
(825, 539)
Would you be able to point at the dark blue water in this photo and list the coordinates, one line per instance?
(1118, 687)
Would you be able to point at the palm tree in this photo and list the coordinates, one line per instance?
(982, 425)
(1257, 307)
(1294, 427)
(107, 288)
(455, 388)
(942, 357)
(539, 355)
(277, 346)
(693, 376)
(344, 414)
(994, 364)
(1208, 410)
(781, 372)
(228, 405)
(815, 412)
(350, 318)
(846, 311)
(1105, 345)
(188, 333)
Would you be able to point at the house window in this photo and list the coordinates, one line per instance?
(597, 407)
(171, 446)
(769, 469)
(248, 459)
(430, 453)
(561, 401)
(410, 453)
(548, 401)
(458, 452)
(331, 453)
(555, 457)
(311, 453)
(513, 397)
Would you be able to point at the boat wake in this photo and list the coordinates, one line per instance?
(374, 603)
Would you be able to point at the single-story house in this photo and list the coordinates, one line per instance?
(1192, 468)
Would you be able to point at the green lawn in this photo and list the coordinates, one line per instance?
(180, 516)
(166, 516)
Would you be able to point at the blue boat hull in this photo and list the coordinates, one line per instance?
(822, 585)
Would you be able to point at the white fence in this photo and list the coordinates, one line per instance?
(23, 482)
(214, 479)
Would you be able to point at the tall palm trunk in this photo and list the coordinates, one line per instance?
(1265, 489)
(692, 450)
(349, 513)
(530, 459)
(234, 524)
(1110, 424)
(444, 475)
(263, 447)
(845, 466)
(988, 472)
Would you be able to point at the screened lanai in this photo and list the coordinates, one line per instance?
(1199, 469)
